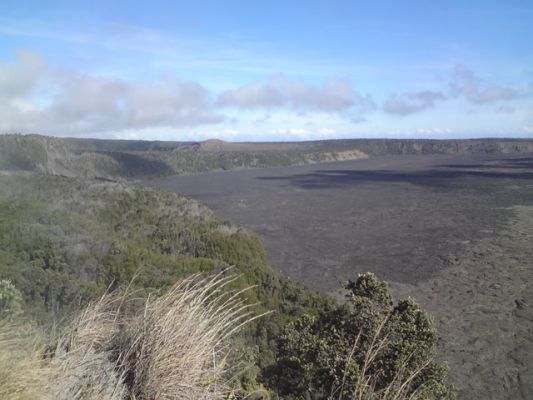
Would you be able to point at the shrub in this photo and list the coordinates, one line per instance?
(10, 300)
(368, 348)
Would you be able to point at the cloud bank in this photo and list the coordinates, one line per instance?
(410, 103)
(466, 84)
(336, 95)
(463, 83)
(37, 98)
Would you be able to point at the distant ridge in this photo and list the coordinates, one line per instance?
(213, 145)
(139, 159)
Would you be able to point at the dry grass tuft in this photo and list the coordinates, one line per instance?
(179, 348)
(23, 373)
(175, 349)
(82, 358)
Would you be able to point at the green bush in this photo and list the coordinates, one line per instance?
(368, 348)
(10, 300)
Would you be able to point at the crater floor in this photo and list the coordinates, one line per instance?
(454, 232)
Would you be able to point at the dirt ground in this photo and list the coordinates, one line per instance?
(454, 232)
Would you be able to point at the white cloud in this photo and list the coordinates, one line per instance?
(463, 83)
(292, 133)
(37, 98)
(18, 80)
(410, 103)
(252, 96)
(336, 95)
(326, 132)
(302, 133)
(424, 132)
(468, 85)
(299, 132)
(261, 119)
(434, 131)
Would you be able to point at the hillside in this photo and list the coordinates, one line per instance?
(139, 159)
(63, 241)
(115, 159)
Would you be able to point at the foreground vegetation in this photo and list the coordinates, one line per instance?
(368, 348)
(66, 242)
(175, 348)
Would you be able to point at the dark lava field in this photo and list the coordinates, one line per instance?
(453, 231)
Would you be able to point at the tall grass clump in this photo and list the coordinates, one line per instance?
(23, 373)
(83, 357)
(179, 345)
(172, 346)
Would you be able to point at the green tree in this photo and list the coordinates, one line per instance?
(10, 300)
(367, 348)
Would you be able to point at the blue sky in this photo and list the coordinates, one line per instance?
(276, 70)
